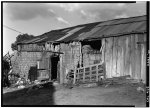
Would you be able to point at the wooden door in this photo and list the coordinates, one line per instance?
(44, 68)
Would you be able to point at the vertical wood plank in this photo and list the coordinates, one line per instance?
(74, 81)
(61, 67)
(80, 55)
(119, 57)
(123, 60)
(137, 57)
(124, 43)
(129, 46)
(140, 47)
(108, 57)
(83, 74)
(114, 62)
(133, 55)
(127, 56)
(143, 59)
(103, 50)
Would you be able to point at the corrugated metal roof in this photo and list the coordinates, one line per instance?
(95, 30)
(69, 33)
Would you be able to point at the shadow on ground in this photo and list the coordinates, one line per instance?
(124, 94)
(36, 95)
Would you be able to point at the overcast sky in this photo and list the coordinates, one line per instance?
(38, 18)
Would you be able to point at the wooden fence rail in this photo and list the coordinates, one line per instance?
(90, 73)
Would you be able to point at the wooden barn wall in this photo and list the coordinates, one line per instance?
(123, 56)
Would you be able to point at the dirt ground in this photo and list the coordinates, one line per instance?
(60, 95)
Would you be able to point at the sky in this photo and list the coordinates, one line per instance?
(39, 18)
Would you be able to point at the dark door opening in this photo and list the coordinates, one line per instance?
(33, 73)
(54, 67)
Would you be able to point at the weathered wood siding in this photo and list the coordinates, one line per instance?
(108, 56)
(123, 56)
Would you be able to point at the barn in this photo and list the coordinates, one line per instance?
(105, 49)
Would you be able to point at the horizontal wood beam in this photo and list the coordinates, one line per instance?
(43, 51)
(142, 42)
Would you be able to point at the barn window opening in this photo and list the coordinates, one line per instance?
(91, 53)
(92, 45)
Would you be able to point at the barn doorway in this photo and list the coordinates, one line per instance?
(33, 73)
(54, 67)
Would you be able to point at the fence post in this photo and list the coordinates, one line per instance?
(83, 74)
(74, 81)
(90, 73)
(97, 73)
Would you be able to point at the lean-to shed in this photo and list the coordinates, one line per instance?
(120, 44)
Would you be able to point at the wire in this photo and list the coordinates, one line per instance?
(12, 29)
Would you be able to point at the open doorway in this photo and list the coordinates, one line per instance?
(33, 73)
(54, 67)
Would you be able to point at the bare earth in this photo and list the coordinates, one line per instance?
(60, 95)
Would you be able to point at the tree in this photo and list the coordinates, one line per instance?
(6, 68)
(19, 38)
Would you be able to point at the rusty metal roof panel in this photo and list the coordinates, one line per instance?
(95, 30)
(29, 41)
(122, 21)
(118, 29)
(115, 27)
(87, 28)
(70, 33)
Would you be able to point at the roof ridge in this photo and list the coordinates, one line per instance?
(121, 23)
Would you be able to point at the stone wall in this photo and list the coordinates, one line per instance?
(70, 59)
(28, 59)
(22, 62)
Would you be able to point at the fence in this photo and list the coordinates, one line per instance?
(90, 73)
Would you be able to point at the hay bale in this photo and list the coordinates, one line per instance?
(86, 49)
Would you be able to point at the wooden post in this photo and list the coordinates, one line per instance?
(90, 72)
(80, 53)
(74, 81)
(97, 73)
(61, 70)
(83, 74)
